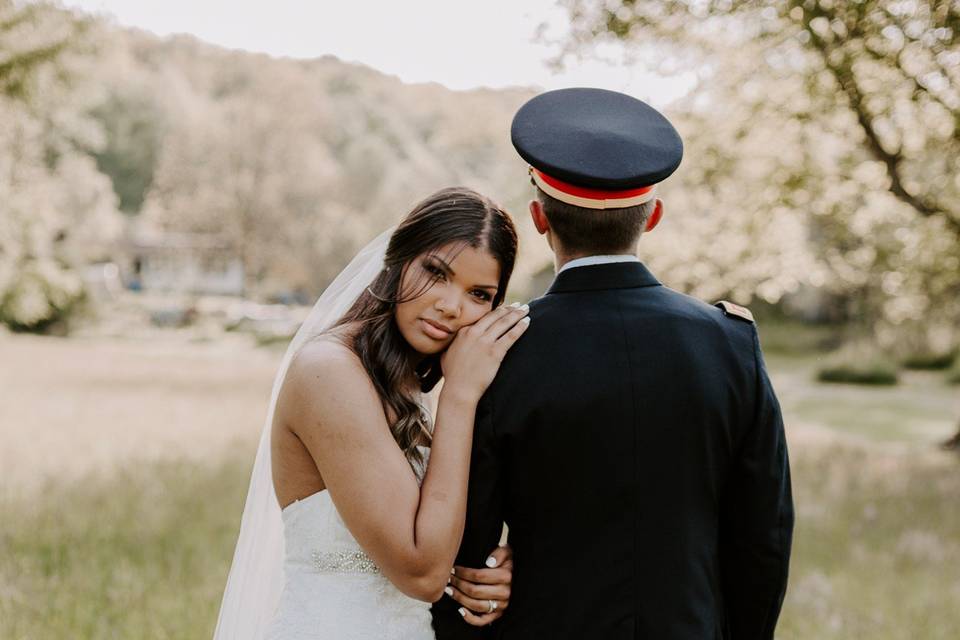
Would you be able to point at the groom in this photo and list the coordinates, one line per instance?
(631, 441)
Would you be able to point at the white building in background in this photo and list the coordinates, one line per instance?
(196, 263)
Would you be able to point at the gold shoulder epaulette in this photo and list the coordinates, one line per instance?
(736, 310)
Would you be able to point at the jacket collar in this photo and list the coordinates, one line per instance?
(617, 275)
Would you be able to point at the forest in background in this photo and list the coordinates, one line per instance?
(296, 163)
(820, 178)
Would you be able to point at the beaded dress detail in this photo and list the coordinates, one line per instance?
(332, 589)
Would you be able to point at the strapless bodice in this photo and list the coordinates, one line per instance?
(332, 589)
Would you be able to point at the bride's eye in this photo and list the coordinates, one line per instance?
(434, 270)
(482, 295)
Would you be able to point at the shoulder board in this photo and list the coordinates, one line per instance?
(735, 310)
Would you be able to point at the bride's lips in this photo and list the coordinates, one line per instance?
(435, 330)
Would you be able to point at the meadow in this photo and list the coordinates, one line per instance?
(125, 467)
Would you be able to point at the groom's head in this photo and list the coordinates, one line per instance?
(595, 158)
(572, 230)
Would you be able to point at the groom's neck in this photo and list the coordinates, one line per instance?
(561, 258)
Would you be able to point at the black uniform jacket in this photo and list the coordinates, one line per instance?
(634, 446)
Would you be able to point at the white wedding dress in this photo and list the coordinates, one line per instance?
(332, 590)
(299, 574)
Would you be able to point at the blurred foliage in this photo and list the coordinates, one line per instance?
(930, 361)
(823, 146)
(42, 299)
(57, 212)
(296, 164)
(953, 376)
(820, 172)
(31, 38)
(133, 130)
(791, 337)
(859, 363)
(300, 163)
(875, 372)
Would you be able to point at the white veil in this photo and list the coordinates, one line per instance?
(256, 575)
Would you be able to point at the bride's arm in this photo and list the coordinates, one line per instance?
(411, 532)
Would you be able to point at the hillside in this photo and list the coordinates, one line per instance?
(297, 161)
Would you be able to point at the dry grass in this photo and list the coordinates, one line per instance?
(72, 406)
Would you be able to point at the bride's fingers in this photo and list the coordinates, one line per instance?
(481, 325)
(477, 605)
(481, 591)
(508, 322)
(499, 555)
(479, 620)
(508, 339)
(500, 575)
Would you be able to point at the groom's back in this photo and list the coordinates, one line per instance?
(615, 424)
(620, 408)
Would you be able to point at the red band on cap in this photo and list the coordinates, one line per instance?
(591, 194)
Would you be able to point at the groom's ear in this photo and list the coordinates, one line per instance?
(655, 217)
(539, 217)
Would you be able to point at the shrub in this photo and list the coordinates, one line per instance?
(953, 376)
(859, 364)
(40, 297)
(930, 361)
(791, 337)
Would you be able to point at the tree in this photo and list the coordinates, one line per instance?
(301, 163)
(248, 171)
(896, 64)
(27, 48)
(859, 108)
(56, 210)
(133, 125)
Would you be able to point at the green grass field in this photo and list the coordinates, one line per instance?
(142, 550)
(142, 555)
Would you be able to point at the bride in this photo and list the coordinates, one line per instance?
(347, 531)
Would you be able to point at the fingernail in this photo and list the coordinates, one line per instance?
(449, 580)
(453, 571)
(463, 612)
(448, 591)
(491, 562)
(525, 307)
(514, 305)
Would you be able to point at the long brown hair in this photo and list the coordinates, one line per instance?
(457, 216)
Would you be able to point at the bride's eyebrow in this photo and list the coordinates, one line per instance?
(442, 264)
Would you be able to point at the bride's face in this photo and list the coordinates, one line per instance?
(460, 293)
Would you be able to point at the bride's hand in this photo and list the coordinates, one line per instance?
(473, 358)
(476, 589)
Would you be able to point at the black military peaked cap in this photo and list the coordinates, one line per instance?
(595, 148)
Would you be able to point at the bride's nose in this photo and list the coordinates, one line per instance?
(448, 304)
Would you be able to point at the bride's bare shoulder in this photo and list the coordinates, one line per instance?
(326, 384)
(324, 360)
